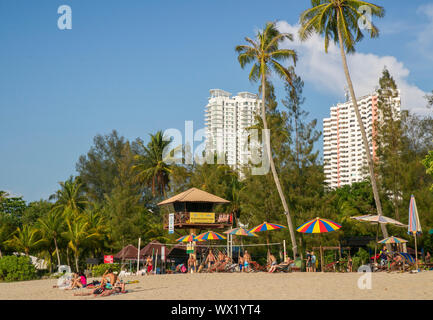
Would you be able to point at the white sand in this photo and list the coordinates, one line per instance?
(235, 286)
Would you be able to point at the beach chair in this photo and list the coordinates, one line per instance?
(282, 267)
(255, 267)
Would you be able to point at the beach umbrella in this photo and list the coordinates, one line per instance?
(378, 219)
(320, 226)
(240, 232)
(188, 238)
(265, 226)
(392, 239)
(210, 235)
(414, 227)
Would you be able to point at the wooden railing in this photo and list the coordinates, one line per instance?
(182, 219)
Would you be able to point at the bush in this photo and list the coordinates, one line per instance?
(13, 268)
(98, 270)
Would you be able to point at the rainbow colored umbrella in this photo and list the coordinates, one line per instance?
(265, 226)
(188, 238)
(320, 226)
(210, 235)
(240, 232)
(414, 227)
(392, 239)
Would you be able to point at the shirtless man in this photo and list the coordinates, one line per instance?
(192, 263)
(210, 260)
(247, 261)
(241, 263)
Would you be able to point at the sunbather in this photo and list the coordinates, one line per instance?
(273, 263)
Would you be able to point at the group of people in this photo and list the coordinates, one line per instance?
(109, 284)
(310, 262)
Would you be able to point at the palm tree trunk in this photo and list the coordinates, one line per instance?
(361, 126)
(57, 251)
(274, 171)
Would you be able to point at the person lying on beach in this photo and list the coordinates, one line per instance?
(273, 263)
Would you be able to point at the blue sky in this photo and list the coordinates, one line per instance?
(139, 66)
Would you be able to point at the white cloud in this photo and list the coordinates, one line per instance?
(424, 38)
(325, 70)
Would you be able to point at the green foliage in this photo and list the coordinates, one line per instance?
(98, 270)
(13, 268)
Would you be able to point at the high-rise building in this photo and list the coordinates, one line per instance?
(226, 119)
(344, 154)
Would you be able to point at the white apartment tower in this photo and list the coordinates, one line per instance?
(343, 150)
(226, 119)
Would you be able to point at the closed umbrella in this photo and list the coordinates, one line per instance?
(414, 227)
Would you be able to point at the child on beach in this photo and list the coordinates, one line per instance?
(247, 260)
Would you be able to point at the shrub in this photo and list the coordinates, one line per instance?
(98, 270)
(13, 268)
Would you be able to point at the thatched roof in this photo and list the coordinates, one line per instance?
(128, 252)
(194, 195)
(151, 246)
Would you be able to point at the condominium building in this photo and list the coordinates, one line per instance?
(344, 154)
(226, 118)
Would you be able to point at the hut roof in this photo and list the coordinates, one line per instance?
(151, 246)
(194, 195)
(128, 252)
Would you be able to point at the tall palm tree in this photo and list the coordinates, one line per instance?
(79, 235)
(52, 226)
(266, 55)
(338, 20)
(26, 239)
(151, 167)
(70, 196)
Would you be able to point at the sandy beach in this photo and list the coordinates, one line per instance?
(261, 286)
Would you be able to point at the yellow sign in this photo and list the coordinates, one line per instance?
(202, 217)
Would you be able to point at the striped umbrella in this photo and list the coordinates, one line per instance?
(265, 226)
(320, 226)
(414, 227)
(188, 238)
(210, 235)
(379, 219)
(392, 239)
(240, 232)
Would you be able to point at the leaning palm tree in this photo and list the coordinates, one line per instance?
(51, 227)
(337, 20)
(266, 56)
(151, 167)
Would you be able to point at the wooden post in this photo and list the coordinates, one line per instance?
(284, 250)
(138, 255)
(416, 252)
(375, 244)
(156, 261)
(321, 255)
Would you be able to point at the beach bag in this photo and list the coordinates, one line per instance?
(98, 291)
(183, 269)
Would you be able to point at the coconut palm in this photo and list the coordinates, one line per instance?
(151, 167)
(79, 235)
(337, 20)
(51, 226)
(70, 196)
(26, 239)
(266, 56)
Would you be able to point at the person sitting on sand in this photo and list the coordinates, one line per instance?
(273, 263)
(109, 277)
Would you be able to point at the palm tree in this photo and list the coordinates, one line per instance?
(70, 196)
(79, 235)
(338, 20)
(26, 239)
(151, 167)
(51, 227)
(266, 55)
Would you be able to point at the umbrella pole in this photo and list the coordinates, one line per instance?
(321, 255)
(375, 244)
(416, 252)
